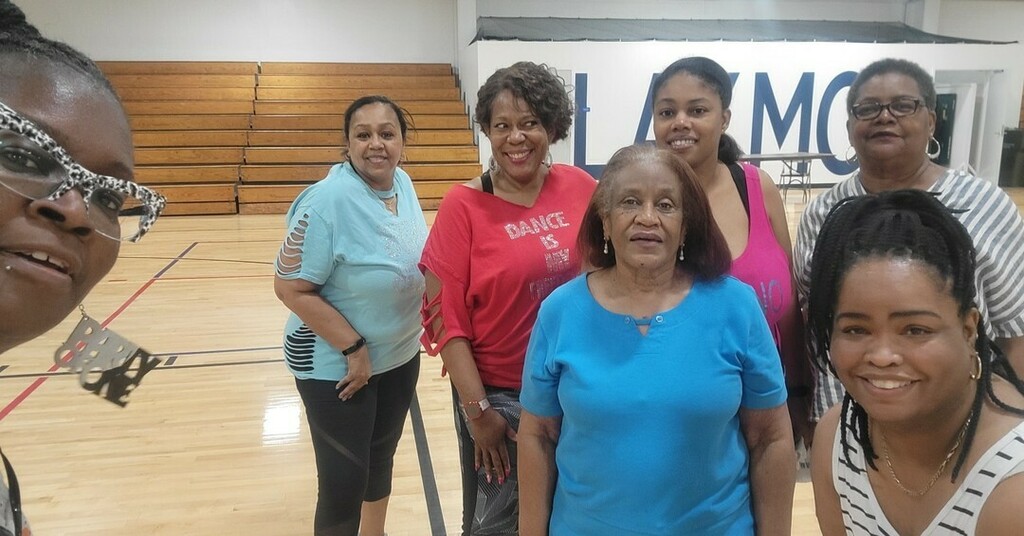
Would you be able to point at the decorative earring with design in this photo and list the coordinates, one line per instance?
(682, 256)
(851, 155)
(977, 360)
(492, 165)
(605, 245)
(548, 160)
(107, 364)
(938, 148)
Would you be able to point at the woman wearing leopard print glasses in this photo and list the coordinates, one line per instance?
(66, 174)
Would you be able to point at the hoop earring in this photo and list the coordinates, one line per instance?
(605, 245)
(938, 148)
(977, 360)
(851, 158)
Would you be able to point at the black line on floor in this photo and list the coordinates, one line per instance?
(175, 367)
(434, 512)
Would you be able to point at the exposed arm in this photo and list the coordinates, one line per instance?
(538, 437)
(490, 428)
(826, 500)
(303, 298)
(799, 377)
(1001, 514)
(769, 439)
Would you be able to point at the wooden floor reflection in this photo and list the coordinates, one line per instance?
(214, 442)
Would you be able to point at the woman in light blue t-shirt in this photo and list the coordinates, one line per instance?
(347, 270)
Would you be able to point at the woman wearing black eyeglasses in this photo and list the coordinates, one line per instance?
(67, 196)
(891, 126)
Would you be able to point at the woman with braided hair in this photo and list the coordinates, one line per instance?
(66, 177)
(929, 438)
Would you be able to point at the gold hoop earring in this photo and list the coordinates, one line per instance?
(977, 360)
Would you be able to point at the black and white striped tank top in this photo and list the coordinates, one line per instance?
(863, 516)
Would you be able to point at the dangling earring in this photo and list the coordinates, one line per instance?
(92, 348)
(548, 160)
(851, 158)
(492, 166)
(977, 359)
(938, 148)
(606, 245)
(682, 256)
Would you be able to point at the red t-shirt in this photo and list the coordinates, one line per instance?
(496, 261)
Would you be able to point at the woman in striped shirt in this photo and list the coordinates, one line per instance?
(891, 106)
(930, 435)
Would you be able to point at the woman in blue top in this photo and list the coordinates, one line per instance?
(347, 270)
(653, 396)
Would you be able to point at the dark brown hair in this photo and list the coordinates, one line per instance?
(707, 254)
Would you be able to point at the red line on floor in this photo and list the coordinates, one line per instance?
(54, 367)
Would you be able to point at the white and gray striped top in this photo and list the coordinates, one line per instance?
(995, 225)
(862, 515)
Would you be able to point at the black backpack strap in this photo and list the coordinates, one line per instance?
(486, 184)
(740, 179)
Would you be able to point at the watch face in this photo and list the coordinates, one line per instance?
(472, 411)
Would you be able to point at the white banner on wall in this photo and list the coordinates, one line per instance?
(787, 97)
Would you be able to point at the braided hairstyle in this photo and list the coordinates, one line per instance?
(19, 38)
(714, 76)
(901, 224)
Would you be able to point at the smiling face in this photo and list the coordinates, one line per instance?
(54, 253)
(519, 141)
(886, 137)
(645, 222)
(898, 343)
(375, 144)
(689, 119)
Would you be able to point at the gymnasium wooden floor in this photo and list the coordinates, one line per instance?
(214, 441)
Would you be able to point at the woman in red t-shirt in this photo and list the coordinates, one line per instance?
(499, 245)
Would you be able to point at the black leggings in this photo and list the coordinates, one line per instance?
(354, 442)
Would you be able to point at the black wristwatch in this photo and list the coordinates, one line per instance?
(355, 347)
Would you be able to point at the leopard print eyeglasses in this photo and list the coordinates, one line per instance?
(34, 165)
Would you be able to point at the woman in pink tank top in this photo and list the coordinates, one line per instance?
(691, 100)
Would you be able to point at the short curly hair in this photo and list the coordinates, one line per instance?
(542, 90)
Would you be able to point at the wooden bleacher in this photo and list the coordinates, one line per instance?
(227, 137)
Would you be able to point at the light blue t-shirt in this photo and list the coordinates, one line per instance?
(365, 259)
(650, 440)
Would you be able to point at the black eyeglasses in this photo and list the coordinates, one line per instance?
(33, 165)
(900, 107)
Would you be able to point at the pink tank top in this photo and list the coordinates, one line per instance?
(764, 265)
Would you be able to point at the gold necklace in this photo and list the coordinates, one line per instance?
(938, 472)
